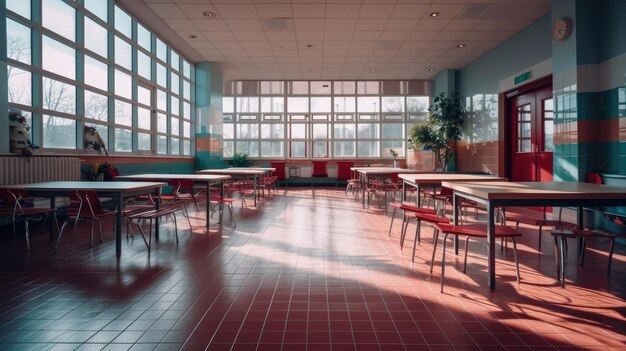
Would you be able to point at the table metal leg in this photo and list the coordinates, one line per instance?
(208, 204)
(456, 210)
(53, 205)
(118, 223)
(491, 247)
(255, 188)
(157, 205)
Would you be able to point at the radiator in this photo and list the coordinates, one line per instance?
(20, 170)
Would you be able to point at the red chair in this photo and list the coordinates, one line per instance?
(280, 169)
(85, 204)
(184, 191)
(168, 209)
(343, 170)
(319, 169)
(14, 206)
(472, 231)
(215, 197)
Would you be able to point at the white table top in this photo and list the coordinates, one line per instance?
(158, 176)
(80, 185)
(383, 170)
(437, 178)
(227, 171)
(266, 169)
(538, 190)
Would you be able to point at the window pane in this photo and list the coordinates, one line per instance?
(320, 104)
(368, 131)
(298, 131)
(98, 8)
(367, 88)
(367, 149)
(320, 149)
(20, 86)
(343, 149)
(58, 96)
(58, 58)
(299, 88)
(174, 60)
(229, 149)
(123, 113)
(247, 104)
(103, 131)
(161, 144)
(96, 73)
(272, 88)
(297, 104)
(273, 104)
(161, 100)
(393, 131)
(320, 88)
(59, 17)
(417, 103)
(123, 53)
(96, 106)
(392, 104)
(144, 141)
(228, 131)
(143, 118)
(344, 131)
(96, 38)
(186, 90)
(59, 133)
(345, 104)
(174, 83)
(161, 50)
(320, 131)
(186, 69)
(161, 73)
(186, 147)
(144, 65)
(297, 148)
(123, 140)
(144, 96)
(18, 42)
(161, 123)
(187, 129)
(251, 148)
(272, 131)
(123, 84)
(228, 104)
(272, 149)
(175, 106)
(21, 7)
(348, 88)
(397, 146)
(144, 37)
(368, 104)
(247, 131)
(175, 149)
(123, 22)
(175, 123)
(186, 110)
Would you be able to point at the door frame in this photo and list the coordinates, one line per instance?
(506, 124)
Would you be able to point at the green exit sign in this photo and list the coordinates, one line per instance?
(522, 77)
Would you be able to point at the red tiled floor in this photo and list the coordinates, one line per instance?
(307, 270)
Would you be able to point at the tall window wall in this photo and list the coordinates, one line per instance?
(322, 119)
(89, 63)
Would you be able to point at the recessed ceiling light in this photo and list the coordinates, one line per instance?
(309, 70)
(209, 14)
(434, 14)
(193, 36)
(309, 46)
(431, 70)
(460, 46)
(372, 69)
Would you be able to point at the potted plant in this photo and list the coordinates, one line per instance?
(240, 159)
(442, 129)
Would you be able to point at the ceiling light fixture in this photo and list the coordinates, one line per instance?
(431, 70)
(309, 46)
(434, 14)
(460, 46)
(192, 36)
(209, 14)
(372, 69)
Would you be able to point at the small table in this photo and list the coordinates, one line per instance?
(268, 170)
(196, 178)
(435, 179)
(239, 173)
(502, 194)
(365, 172)
(118, 191)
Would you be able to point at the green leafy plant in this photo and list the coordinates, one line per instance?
(442, 128)
(239, 159)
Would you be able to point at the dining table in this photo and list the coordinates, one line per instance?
(435, 179)
(206, 179)
(503, 194)
(240, 173)
(365, 173)
(117, 191)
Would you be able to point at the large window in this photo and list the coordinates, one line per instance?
(321, 119)
(96, 65)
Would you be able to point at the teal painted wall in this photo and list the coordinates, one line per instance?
(612, 38)
(527, 48)
(136, 168)
(209, 118)
(444, 82)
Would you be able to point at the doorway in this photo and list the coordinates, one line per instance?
(531, 121)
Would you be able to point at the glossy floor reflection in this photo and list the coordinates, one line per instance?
(309, 269)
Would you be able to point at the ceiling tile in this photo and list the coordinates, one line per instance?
(281, 36)
(340, 24)
(400, 24)
(167, 10)
(432, 24)
(371, 24)
(309, 35)
(309, 24)
(308, 10)
(196, 10)
(366, 35)
(394, 35)
(219, 35)
(274, 11)
(376, 10)
(413, 11)
(255, 45)
(230, 45)
(180, 24)
(462, 24)
(245, 24)
(229, 11)
(209, 24)
(342, 10)
(338, 35)
(249, 36)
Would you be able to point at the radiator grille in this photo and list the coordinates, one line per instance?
(20, 170)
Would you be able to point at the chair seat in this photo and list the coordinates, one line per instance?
(32, 211)
(431, 218)
(414, 208)
(583, 233)
(395, 204)
(478, 230)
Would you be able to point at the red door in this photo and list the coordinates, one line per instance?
(531, 116)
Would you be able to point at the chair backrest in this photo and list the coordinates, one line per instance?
(593, 177)
(90, 205)
(8, 197)
(182, 186)
(446, 191)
